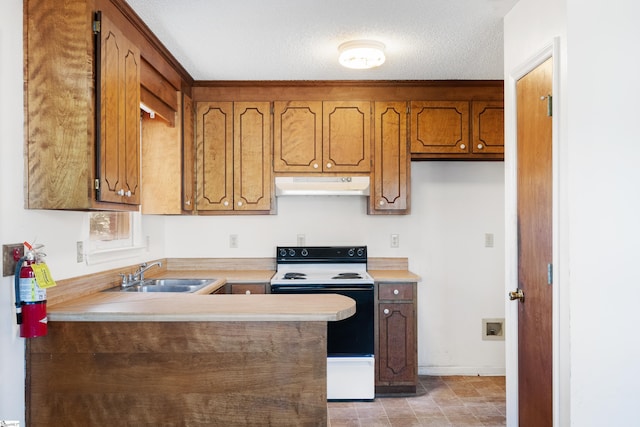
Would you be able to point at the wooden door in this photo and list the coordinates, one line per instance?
(391, 157)
(487, 127)
(297, 136)
(440, 127)
(214, 156)
(118, 160)
(252, 156)
(346, 136)
(534, 180)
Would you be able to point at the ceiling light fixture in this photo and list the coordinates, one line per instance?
(361, 54)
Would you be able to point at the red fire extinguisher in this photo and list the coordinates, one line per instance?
(31, 299)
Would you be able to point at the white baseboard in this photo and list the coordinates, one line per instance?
(461, 370)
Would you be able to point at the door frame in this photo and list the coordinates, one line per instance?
(560, 295)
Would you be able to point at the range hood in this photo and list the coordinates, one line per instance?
(322, 186)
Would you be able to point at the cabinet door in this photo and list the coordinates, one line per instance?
(397, 344)
(391, 157)
(188, 154)
(440, 127)
(214, 156)
(297, 136)
(487, 127)
(252, 156)
(119, 116)
(346, 133)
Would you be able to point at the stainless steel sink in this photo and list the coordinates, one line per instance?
(166, 285)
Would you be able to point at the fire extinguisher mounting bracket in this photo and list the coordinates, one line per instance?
(10, 255)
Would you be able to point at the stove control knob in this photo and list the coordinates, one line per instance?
(305, 252)
(283, 252)
(352, 252)
(292, 252)
(360, 252)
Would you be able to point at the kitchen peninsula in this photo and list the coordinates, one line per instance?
(115, 358)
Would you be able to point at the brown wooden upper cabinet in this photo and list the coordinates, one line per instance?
(118, 133)
(82, 133)
(487, 127)
(233, 157)
(440, 127)
(457, 130)
(317, 136)
(391, 172)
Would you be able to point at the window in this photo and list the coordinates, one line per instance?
(108, 227)
(112, 235)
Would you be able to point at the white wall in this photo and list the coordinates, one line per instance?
(453, 205)
(597, 199)
(603, 176)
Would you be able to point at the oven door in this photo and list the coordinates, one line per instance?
(353, 336)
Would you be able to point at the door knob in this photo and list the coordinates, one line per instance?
(517, 294)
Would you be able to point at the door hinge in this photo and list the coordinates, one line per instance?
(96, 184)
(550, 274)
(96, 27)
(549, 105)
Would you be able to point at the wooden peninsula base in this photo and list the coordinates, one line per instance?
(178, 373)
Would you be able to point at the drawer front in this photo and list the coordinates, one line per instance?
(395, 291)
(248, 288)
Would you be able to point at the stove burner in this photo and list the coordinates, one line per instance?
(347, 276)
(294, 276)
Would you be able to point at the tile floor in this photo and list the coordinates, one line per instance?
(441, 401)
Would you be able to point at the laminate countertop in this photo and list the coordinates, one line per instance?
(178, 307)
(205, 306)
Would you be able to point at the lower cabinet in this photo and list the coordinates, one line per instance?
(396, 355)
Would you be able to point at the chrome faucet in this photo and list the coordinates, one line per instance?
(138, 276)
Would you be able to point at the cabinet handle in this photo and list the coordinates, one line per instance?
(462, 146)
(120, 192)
(386, 311)
(328, 165)
(381, 202)
(247, 292)
(315, 166)
(128, 193)
(188, 202)
(480, 146)
(396, 292)
(239, 203)
(226, 203)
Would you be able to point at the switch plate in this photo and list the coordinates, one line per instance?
(8, 261)
(79, 251)
(395, 240)
(488, 240)
(233, 240)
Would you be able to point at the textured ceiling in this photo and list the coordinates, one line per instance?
(298, 39)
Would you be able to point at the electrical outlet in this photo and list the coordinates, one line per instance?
(395, 240)
(233, 240)
(302, 240)
(9, 253)
(79, 251)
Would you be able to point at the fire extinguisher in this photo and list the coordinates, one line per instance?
(31, 299)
